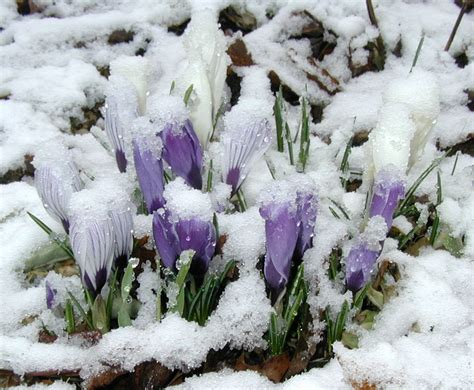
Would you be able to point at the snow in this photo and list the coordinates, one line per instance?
(51, 72)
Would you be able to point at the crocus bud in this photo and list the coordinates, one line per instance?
(172, 239)
(359, 265)
(419, 91)
(243, 145)
(281, 235)
(363, 255)
(56, 179)
(307, 212)
(50, 295)
(184, 224)
(207, 70)
(148, 164)
(121, 108)
(182, 151)
(136, 70)
(92, 239)
(388, 190)
(119, 206)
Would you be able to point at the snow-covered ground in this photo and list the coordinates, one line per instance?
(53, 63)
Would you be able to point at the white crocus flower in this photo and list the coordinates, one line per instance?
(420, 93)
(411, 106)
(206, 71)
(136, 71)
(391, 138)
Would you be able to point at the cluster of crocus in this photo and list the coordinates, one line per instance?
(289, 210)
(185, 223)
(99, 221)
(410, 109)
(56, 179)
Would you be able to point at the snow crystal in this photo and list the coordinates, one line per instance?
(186, 202)
(391, 138)
(136, 71)
(164, 109)
(149, 285)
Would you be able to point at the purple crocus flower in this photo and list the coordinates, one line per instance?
(55, 184)
(388, 190)
(307, 212)
(121, 108)
(172, 238)
(50, 295)
(92, 242)
(244, 145)
(289, 231)
(122, 223)
(182, 151)
(149, 167)
(281, 235)
(359, 265)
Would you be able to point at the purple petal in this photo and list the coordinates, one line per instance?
(281, 234)
(165, 239)
(199, 236)
(182, 151)
(307, 213)
(233, 179)
(149, 169)
(359, 266)
(121, 160)
(388, 190)
(50, 295)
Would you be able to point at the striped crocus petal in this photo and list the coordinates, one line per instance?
(149, 167)
(92, 242)
(115, 132)
(359, 265)
(242, 147)
(122, 222)
(182, 151)
(388, 190)
(55, 185)
(281, 234)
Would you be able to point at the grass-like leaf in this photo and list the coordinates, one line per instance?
(187, 94)
(277, 112)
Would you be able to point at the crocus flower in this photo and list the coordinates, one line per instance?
(173, 238)
(115, 132)
(359, 265)
(122, 223)
(182, 151)
(207, 69)
(281, 235)
(50, 295)
(185, 223)
(149, 165)
(289, 230)
(307, 212)
(92, 240)
(388, 189)
(55, 182)
(244, 145)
